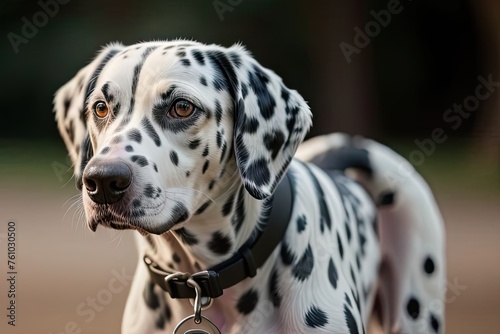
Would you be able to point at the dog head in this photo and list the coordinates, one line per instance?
(156, 129)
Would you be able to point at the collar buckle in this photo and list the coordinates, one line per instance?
(175, 283)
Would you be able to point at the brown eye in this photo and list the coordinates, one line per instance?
(101, 109)
(182, 109)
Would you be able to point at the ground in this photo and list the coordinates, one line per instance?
(70, 280)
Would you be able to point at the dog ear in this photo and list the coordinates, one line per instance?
(70, 106)
(270, 121)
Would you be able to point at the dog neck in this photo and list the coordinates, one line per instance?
(222, 228)
(210, 238)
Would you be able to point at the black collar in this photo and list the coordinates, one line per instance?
(243, 264)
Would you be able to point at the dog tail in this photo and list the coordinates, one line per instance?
(413, 270)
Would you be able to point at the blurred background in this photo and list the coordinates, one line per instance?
(420, 76)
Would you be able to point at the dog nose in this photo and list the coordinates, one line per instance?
(107, 181)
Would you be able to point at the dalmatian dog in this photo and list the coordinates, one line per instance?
(186, 143)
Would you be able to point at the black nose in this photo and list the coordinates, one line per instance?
(107, 181)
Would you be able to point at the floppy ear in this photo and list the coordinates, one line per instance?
(270, 121)
(70, 104)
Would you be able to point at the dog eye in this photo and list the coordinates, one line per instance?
(182, 109)
(101, 109)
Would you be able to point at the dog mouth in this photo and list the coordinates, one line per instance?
(112, 221)
(105, 216)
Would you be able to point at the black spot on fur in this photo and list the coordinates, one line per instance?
(303, 268)
(258, 82)
(167, 313)
(242, 154)
(198, 56)
(258, 172)
(223, 69)
(274, 141)
(251, 125)
(228, 206)
(176, 258)
(174, 158)
(116, 109)
(138, 213)
(140, 160)
(155, 167)
(95, 76)
(219, 84)
(179, 213)
(105, 150)
(413, 308)
(429, 265)
(348, 299)
(301, 223)
(150, 296)
(285, 94)
(239, 212)
(235, 58)
(202, 208)
(286, 254)
(211, 185)
(116, 140)
(135, 135)
(218, 112)
(386, 198)
(273, 289)
(205, 167)
(137, 72)
(244, 90)
(332, 274)
(203, 81)
(219, 139)
(129, 148)
(348, 231)
(350, 321)
(136, 203)
(223, 152)
(358, 263)
(193, 144)
(205, 151)
(186, 62)
(150, 130)
(245, 124)
(247, 302)
(325, 214)
(434, 323)
(315, 317)
(220, 243)
(353, 276)
(186, 237)
(181, 54)
(149, 191)
(105, 91)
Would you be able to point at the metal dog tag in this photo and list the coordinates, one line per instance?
(189, 326)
